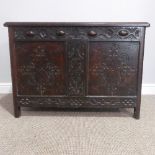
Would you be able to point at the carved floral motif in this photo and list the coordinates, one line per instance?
(113, 69)
(39, 70)
(76, 54)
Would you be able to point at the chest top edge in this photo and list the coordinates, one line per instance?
(136, 24)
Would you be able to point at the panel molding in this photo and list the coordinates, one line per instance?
(147, 89)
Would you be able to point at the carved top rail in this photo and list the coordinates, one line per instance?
(89, 33)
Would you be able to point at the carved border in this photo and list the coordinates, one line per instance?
(50, 33)
(75, 102)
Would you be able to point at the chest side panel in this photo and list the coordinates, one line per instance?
(113, 68)
(40, 68)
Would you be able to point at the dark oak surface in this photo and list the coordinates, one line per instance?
(113, 68)
(77, 65)
(40, 68)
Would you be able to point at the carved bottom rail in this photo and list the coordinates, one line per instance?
(75, 102)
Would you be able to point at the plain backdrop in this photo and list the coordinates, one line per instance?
(79, 11)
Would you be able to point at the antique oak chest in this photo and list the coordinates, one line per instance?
(76, 65)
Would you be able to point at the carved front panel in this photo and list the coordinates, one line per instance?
(76, 58)
(113, 68)
(40, 68)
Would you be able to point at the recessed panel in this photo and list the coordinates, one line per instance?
(113, 68)
(40, 68)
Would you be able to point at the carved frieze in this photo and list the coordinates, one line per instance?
(101, 33)
(77, 102)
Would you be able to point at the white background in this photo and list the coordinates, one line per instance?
(79, 11)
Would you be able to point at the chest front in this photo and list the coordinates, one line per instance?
(77, 66)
